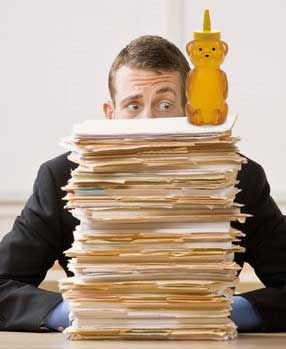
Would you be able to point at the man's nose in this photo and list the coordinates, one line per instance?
(146, 113)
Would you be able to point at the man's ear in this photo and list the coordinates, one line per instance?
(108, 109)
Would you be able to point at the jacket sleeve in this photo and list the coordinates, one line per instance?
(265, 244)
(26, 254)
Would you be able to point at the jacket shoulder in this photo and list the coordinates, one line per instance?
(251, 172)
(60, 168)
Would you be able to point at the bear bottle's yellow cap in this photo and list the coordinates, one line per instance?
(207, 33)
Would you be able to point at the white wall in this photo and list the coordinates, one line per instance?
(256, 69)
(55, 56)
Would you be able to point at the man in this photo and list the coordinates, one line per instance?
(146, 80)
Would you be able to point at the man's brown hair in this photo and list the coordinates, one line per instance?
(153, 53)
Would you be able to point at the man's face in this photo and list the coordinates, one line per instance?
(145, 94)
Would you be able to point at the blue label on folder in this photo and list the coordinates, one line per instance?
(97, 191)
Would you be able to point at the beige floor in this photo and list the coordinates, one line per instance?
(20, 340)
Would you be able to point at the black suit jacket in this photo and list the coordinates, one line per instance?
(44, 230)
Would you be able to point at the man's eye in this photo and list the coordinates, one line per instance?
(132, 107)
(164, 106)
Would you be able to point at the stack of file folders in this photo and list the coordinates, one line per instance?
(153, 255)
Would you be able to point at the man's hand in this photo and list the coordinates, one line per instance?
(244, 314)
(58, 317)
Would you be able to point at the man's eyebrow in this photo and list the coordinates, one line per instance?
(131, 98)
(166, 89)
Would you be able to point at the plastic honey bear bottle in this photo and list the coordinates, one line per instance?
(206, 85)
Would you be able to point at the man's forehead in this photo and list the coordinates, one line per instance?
(126, 74)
